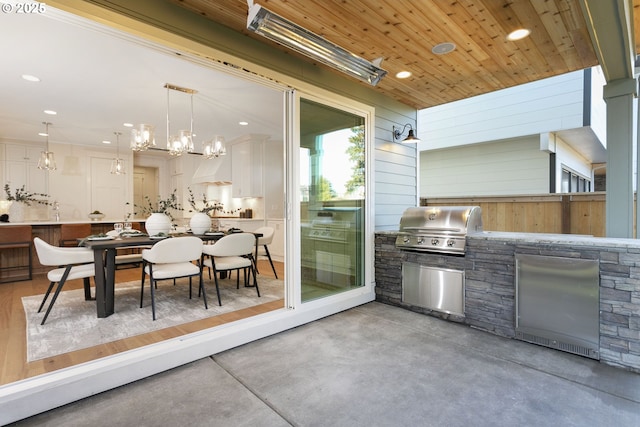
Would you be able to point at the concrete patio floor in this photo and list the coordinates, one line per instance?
(374, 365)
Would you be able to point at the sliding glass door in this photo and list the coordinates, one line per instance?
(332, 200)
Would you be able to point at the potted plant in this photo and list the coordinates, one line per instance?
(200, 222)
(21, 198)
(96, 215)
(159, 214)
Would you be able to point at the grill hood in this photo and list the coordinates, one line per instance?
(438, 228)
(213, 171)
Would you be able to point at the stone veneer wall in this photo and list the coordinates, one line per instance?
(489, 266)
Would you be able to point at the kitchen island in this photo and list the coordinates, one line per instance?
(50, 232)
(490, 291)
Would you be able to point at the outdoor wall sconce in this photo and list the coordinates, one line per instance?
(411, 138)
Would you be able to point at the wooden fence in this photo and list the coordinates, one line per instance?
(572, 213)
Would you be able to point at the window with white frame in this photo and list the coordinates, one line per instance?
(573, 182)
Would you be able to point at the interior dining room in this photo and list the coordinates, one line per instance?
(99, 176)
(86, 195)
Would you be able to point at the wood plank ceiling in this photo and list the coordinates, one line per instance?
(404, 32)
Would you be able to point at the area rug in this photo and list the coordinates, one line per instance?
(73, 324)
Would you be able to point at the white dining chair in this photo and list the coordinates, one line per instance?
(232, 252)
(172, 258)
(264, 242)
(70, 263)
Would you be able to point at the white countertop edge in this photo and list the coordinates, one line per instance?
(70, 221)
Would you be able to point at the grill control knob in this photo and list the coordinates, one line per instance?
(450, 243)
(435, 242)
(406, 239)
(420, 240)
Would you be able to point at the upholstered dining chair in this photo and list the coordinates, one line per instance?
(71, 263)
(264, 242)
(171, 259)
(232, 252)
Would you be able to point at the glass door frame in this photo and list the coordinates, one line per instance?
(293, 290)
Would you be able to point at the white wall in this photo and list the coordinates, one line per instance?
(543, 106)
(514, 166)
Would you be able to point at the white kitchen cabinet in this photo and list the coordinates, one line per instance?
(21, 163)
(246, 167)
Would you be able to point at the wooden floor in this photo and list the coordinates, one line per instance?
(13, 364)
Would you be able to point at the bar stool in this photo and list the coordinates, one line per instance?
(70, 233)
(16, 237)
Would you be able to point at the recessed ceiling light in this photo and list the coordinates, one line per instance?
(243, 123)
(443, 48)
(106, 142)
(127, 125)
(518, 34)
(30, 78)
(403, 74)
(50, 112)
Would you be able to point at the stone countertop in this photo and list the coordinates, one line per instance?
(544, 238)
(557, 239)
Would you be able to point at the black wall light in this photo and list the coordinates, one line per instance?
(411, 138)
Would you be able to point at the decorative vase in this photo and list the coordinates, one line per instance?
(16, 211)
(158, 223)
(200, 223)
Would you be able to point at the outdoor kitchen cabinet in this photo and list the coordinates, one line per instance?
(438, 289)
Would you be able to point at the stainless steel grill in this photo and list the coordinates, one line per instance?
(440, 229)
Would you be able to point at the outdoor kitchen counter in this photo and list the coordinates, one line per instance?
(489, 265)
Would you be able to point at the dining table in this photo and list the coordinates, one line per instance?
(104, 256)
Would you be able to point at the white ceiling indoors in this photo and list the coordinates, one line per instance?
(96, 79)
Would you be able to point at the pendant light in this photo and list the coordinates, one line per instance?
(46, 161)
(117, 165)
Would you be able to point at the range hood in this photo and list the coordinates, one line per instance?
(213, 171)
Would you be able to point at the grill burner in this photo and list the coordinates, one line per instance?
(441, 229)
(334, 231)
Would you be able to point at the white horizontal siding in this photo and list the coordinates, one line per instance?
(515, 166)
(547, 105)
(395, 172)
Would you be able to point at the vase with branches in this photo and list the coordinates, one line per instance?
(24, 196)
(205, 205)
(166, 206)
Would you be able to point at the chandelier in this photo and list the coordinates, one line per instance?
(46, 161)
(182, 142)
(117, 165)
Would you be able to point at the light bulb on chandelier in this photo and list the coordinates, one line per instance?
(142, 138)
(214, 147)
